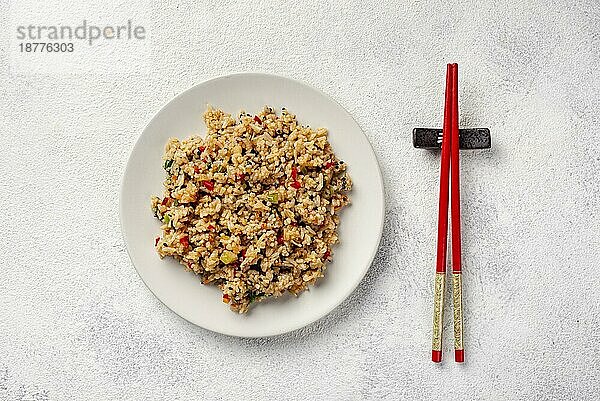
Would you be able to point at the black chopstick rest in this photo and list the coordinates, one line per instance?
(469, 138)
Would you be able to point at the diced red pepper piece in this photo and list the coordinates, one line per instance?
(294, 174)
(156, 241)
(243, 253)
(280, 239)
(226, 298)
(185, 241)
(328, 165)
(257, 119)
(196, 169)
(165, 201)
(211, 227)
(327, 255)
(241, 176)
(202, 148)
(296, 185)
(208, 185)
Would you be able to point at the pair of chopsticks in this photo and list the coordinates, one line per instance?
(450, 167)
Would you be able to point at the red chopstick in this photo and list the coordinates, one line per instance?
(440, 271)
(459, 353)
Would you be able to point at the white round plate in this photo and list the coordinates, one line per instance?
(359, 231)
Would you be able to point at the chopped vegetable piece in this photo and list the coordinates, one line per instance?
(226, 298)
(296, 185)
(208, 185)
(257, 119)
(328, 165)
(196, 169)
(280, 239)
(241, 176)
(156, 241)
(202, 148)
(254, 296)
(228, 257)
(273, 197)
(168, 164)
(211, 227)
(243, 253)
(294, 173)
(165, 201)
(327, 255)
(185, 241)
(166, 219)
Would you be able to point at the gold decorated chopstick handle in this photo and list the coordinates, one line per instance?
(438, 316)
(459, 353)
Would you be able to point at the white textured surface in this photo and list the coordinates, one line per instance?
(76, 322)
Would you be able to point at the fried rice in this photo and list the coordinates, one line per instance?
(252, 207)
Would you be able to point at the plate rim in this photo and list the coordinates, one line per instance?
(303, 323)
